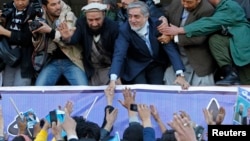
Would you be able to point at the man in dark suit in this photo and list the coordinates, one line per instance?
(139, 57)
(195, 54)
(246, 119)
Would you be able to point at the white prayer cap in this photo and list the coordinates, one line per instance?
(94, 6)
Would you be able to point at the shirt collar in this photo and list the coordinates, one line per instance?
(143, 31)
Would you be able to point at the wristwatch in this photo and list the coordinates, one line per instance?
(180, 74)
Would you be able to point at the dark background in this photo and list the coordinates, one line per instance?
(76, 5)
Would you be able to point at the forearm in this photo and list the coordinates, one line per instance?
(42, 135)
(133, 116)
(162, 126)
(181, 30)
(6, 33)
(108, 126)
(147, 123)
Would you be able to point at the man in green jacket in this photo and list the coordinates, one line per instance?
(230, 48)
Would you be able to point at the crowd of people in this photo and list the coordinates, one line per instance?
(139, 126)
(182, 42)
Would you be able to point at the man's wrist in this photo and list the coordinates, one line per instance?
(113, 77)
(179, 73)
(147, 123)
(176, 39)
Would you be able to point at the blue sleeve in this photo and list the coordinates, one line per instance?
(149, 134)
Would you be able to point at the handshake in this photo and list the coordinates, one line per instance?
(164, 39)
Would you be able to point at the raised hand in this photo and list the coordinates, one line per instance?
(183, 128)
(144, 114)
(109, 96)
(208, 115)
(129, 98)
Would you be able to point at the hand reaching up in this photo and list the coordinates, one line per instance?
(208, 115)
(157, 118)
(183, 128)
(144, 113)
(129, 98)
(69, 125)
(68, 106)
(109, 96)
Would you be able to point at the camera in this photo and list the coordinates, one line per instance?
(55, 116)
(35, 24)
(133, 107)
(6, 10)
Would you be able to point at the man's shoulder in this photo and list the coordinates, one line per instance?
(204, 9)
(125, 27)
(81, 21)
(205, 5)
(110, 23)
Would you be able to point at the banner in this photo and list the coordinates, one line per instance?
(167, 100)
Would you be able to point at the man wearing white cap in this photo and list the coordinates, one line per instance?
(96, 34)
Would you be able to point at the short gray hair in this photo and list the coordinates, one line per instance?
(139, 4)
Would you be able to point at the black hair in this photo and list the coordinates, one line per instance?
(18, 138)
(44, 2)
(87, 129)
(134, 132)
(168, 135)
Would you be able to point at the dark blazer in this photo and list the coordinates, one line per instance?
(196, 48)
(132, 52)
(22, 38)
(148, 134)
(83, 35)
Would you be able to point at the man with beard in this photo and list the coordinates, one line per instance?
(174, 56)
(139, 57)
(96, 34)
(63, 60)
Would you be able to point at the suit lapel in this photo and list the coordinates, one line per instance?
(139, 43)
(177, 14)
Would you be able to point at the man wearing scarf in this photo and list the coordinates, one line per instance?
(96, 34)
(139, 57)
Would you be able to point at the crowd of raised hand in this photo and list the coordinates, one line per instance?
(140, 127)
